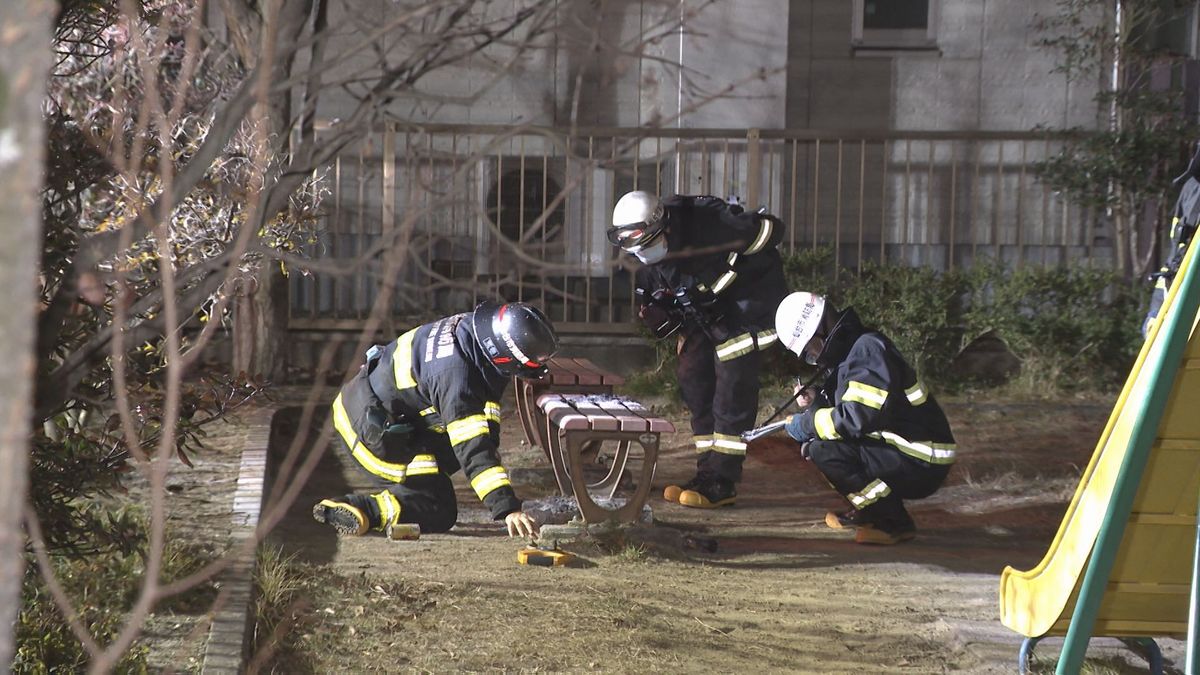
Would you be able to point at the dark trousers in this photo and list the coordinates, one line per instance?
(722, 397)
(874, 476)
(425, 498)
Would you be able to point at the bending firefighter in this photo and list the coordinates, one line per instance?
(427, 405)
(711, 273)
(872, 428)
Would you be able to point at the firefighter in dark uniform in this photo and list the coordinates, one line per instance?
(1183, 226)
(711, 272)
(425, 406)
(872, 428)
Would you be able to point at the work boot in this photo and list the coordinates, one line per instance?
(850, 519)
(709, 494)
(671, 492)
(344, 516)
(887, 531)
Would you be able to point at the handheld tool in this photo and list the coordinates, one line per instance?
(764, 430)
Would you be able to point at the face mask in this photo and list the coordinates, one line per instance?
(813, 350)
(652, 252)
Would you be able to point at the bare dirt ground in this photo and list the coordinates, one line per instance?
(781, 592)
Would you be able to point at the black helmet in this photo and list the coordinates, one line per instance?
(517, 338)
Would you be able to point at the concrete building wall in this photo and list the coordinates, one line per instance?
(615, 63)
(985, 71)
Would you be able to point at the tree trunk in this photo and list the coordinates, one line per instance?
(260, 318)
(24, 67)
(261, 308)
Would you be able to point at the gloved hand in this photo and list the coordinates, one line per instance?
(795, 430)
(662, 323)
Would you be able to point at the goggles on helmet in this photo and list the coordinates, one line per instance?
(634, 236)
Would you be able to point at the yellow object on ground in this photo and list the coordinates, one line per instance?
(531, 555)
(1147, 594)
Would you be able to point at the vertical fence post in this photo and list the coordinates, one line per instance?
(387, 218)
(753, 169)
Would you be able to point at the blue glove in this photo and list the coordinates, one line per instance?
(795, 430)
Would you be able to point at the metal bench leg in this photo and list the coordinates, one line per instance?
(612, 480)
(1148, 648)
(594, 513)
(1023, 655)
(558, 460)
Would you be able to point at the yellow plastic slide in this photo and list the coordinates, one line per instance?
(1148, 592)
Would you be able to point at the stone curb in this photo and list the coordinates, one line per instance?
(225, 650)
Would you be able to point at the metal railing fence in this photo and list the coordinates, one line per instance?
(468, 213)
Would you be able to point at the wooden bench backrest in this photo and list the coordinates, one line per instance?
(566, 371)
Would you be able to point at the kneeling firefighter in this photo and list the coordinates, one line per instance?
(425, 406)
(871, 428)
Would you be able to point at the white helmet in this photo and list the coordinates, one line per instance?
(797, 320)
(637, 223)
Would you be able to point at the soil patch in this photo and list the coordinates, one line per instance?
(780, 593)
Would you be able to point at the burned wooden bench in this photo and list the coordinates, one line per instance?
(571, 414)
(566, 376)
(578, 424)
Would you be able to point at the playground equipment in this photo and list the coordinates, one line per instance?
(1123, 563)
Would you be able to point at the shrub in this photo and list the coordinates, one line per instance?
(102, 586)
(1073, 328)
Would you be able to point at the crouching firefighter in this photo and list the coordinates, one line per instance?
(872, 428)
(710, 272)
(425, 406)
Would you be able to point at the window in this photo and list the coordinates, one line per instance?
(1169, 31)
(895, 24)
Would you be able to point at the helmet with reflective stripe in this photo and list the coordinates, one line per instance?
(637, 221)
(798, 319)
(517, 338)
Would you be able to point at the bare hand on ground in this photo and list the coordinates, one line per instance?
(520, 524)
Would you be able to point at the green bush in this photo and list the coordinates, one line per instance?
(1073, 328)
(102, 587)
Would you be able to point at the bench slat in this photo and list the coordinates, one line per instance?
(610, 379)
(583, 375)
(656, 423)
(629, 420)
(597, 416)
(561, 375)
(561, 413)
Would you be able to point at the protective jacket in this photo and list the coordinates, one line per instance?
(436, 380)
(722, 272)
(722, 279)
(874, 393)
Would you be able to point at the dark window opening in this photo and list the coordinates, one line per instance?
(517, 201)
(895, 14)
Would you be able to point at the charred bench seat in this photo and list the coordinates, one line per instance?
(581, 423)
(571, 414)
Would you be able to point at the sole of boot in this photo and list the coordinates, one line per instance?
(834, 522)
(342, 517)
(695, 500)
